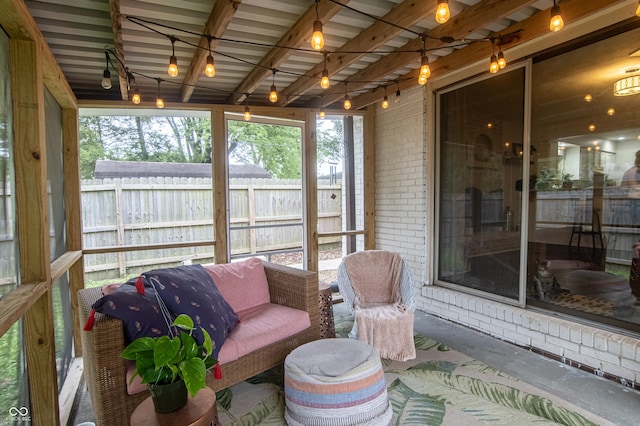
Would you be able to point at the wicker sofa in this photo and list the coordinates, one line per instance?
(105, 370)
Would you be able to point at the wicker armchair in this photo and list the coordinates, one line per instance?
(105, 370)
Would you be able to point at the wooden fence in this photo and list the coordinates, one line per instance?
(266, 214)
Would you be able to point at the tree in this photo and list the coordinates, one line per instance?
(276, 148)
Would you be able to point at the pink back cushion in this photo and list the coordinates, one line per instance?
(242, 284)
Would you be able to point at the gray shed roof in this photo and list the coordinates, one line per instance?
(119, 169)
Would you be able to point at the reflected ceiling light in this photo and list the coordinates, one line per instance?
(588, 97)
(442, 11)
(611, 111)
(592, 127)
(507, 144)
(556, 23)
(627, 86)
(489, 125)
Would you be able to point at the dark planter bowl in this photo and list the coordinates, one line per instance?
(168, 398)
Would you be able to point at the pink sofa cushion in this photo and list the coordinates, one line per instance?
(258, 327)
(242, 284)
(265, 324)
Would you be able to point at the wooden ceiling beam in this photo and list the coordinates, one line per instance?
(405, 15)
(529, 29)
(460, 26)
(217, 23)
(296, 36)
(116, 27)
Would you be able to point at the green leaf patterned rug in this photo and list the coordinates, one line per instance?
(440, 387)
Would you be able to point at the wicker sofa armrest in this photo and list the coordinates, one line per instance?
(292, 287)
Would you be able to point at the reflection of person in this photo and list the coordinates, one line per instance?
(631, 180)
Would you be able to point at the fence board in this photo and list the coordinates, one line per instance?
(134, 211)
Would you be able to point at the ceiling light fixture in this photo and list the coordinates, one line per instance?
(385, 100)
(106, 75)
(628, 85)
(442, 11)
(210, 69)
(173, 61)
(556, 23)
(273, 94)
(317, 38)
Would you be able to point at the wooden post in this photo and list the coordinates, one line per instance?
(33, 226)
(73, 203)
(219, 173)
(369, 172)
(310, 191)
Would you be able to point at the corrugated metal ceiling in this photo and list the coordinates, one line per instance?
(78, 33)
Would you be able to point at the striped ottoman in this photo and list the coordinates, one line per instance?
(335, 382)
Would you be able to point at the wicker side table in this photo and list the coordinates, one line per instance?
(327, 326)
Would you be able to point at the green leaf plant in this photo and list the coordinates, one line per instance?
(164, 360)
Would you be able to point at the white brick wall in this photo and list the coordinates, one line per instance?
(402, 191)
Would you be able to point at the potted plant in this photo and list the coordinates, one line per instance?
(172, 363)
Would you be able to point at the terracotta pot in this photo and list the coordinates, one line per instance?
(168, 398)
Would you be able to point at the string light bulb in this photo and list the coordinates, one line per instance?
(425, 70)
(347, 102)
(556, 23)
(493, 66)
(324, 81)
(385, 102)
(106, 75)
(159, 100)
(173, 61)
(397, 98)
(502, 62)
(442, 11)
(106, 80)
(638, 10)
(317, 38)
(323, 114)
(247, 113)
(210, 69)
(273, 94)
(135, 98)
